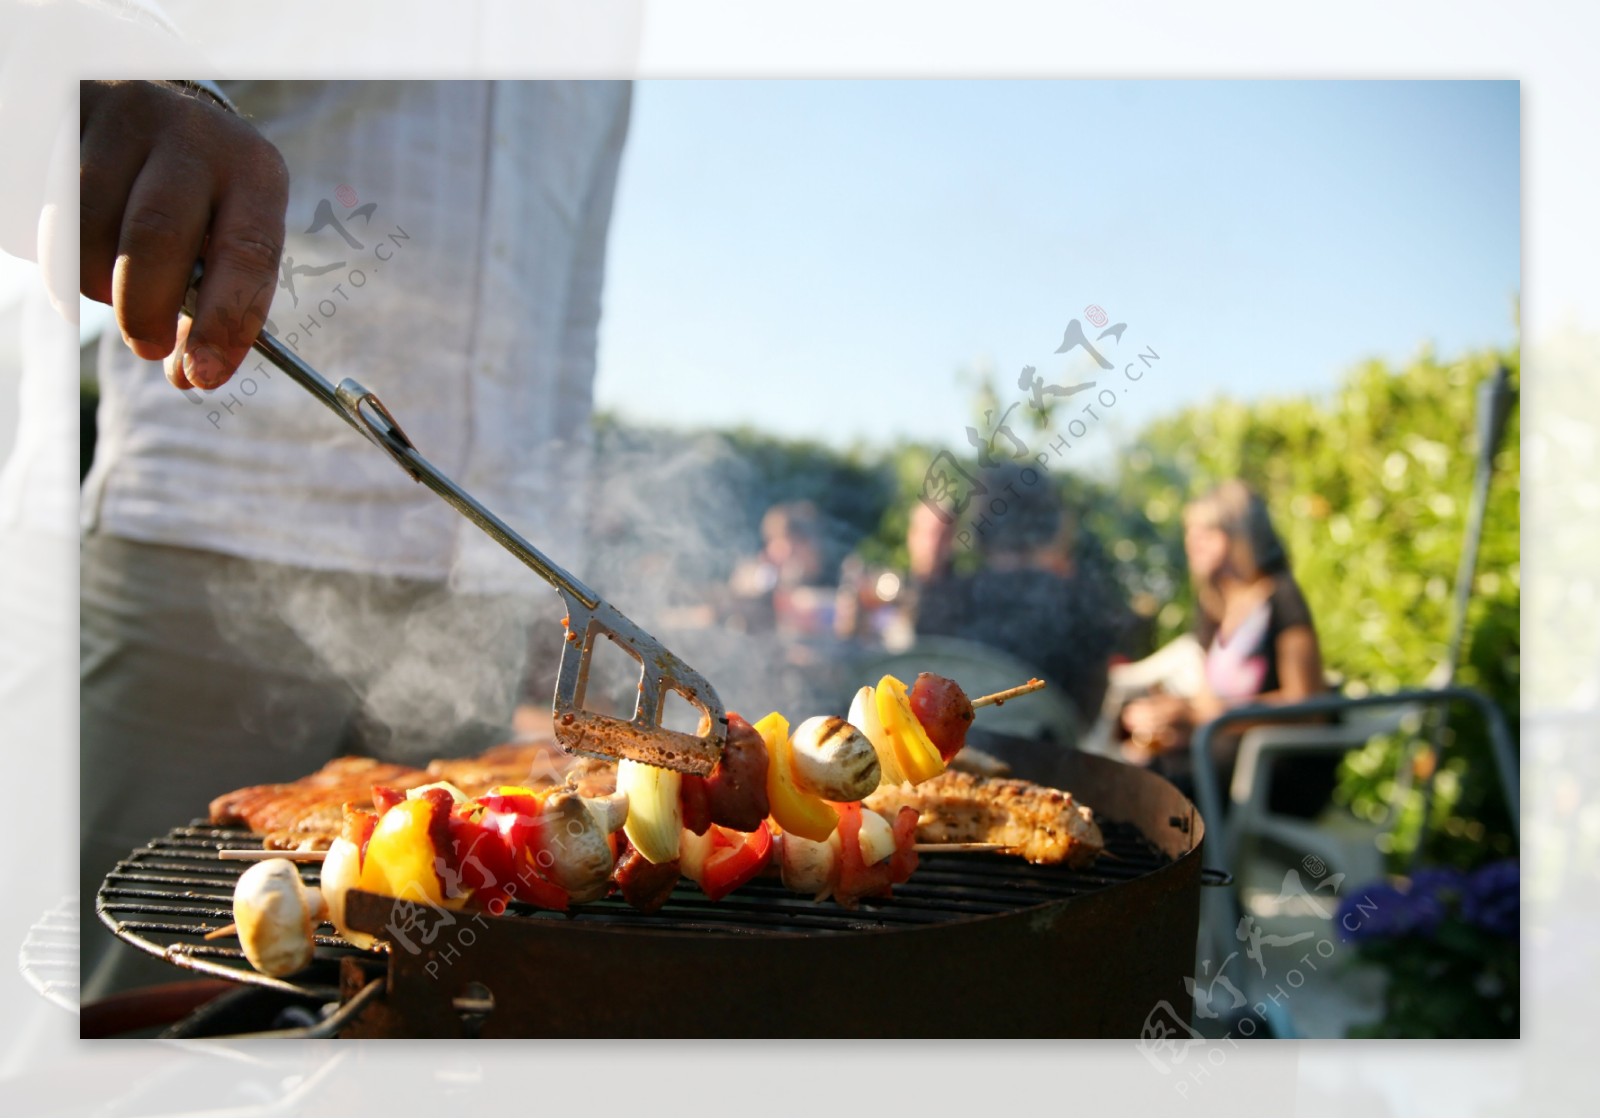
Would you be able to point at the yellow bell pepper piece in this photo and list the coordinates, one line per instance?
(918, 757)
(807, 816)
(400, 857)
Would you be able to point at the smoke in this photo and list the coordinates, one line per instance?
(417, 671)
(670, 521)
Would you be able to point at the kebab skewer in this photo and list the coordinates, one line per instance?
(553, 848)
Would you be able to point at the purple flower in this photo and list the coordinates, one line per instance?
(1492, 898)
(1383, 910)
(1409, 908)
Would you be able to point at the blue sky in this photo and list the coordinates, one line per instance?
(820, 259)
(824, 259)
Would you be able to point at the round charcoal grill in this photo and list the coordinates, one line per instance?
(972, 945)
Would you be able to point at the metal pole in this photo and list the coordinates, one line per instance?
(1494, 408)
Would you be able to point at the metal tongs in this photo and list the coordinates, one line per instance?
(589, 617)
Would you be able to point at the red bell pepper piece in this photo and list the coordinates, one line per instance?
(358, 825)
(486, 866)
(903, 863)
(538, 891)
(736, 857)
(856, 879)
(515, 820)
(385, 798)
(516, 817)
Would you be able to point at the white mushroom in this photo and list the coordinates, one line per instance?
(275, 914)
(807, 866)
(609, 812)
(834, 760)
(580, 858)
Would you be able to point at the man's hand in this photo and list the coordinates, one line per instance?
(167, 179)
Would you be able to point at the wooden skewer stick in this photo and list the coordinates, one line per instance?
(251, 855)
(226, 930)
(254, 855)
(997, 698)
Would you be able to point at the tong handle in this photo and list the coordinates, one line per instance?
(642, 738)
(361, 409)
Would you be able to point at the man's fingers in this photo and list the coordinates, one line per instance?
(163, 229)
(110, 159)
(163, 179)
(172, 364)
(241, 272)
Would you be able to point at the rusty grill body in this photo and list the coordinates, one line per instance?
(972, 945)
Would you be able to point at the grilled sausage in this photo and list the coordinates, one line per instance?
(645, 885)
(944, 711)
(736, 791)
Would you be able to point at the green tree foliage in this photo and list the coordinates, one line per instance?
(1370, 490)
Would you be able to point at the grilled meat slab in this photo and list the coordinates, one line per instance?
(1045, 825)
(307, 814)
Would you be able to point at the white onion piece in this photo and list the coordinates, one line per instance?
(655, 817)
(876, 838)
(693, 851)
(341, 873)
(864, 717)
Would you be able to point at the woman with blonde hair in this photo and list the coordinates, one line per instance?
(1259, 643)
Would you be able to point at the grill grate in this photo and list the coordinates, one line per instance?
(165, 896)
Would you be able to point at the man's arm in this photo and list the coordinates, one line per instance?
(167, 177)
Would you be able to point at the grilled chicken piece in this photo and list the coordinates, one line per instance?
(307, 814)
(536, 765)
(1045, 825)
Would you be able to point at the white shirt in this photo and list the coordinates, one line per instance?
(445, 247)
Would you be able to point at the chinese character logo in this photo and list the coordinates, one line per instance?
(948, 489)
(1165, 1039)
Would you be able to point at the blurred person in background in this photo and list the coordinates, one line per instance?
(930, 544)
(261, 589)
(1253, 632)
(783, 587)
(1042, 592)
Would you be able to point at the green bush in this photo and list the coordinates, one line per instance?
(1370, 490)
(1369, 486)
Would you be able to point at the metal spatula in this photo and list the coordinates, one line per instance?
(589, 617)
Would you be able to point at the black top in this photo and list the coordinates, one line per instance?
(1240, 672)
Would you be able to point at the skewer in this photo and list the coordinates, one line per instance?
(226, 930)
(253, 855)
(997, 698)
(256, 855)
